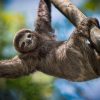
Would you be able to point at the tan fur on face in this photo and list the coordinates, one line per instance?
(22, 37)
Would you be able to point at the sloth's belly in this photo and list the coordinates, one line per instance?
(72, 63)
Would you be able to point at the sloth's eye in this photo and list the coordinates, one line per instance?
(29, 36)
(23, 44)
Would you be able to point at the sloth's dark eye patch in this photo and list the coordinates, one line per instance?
(23, 44)
(29, 36)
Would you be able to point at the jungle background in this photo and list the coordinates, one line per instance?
(17, 14)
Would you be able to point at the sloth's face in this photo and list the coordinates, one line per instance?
(27, 42)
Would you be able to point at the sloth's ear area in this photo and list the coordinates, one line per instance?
(23, 31)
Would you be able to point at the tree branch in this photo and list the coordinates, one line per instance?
(76, 16)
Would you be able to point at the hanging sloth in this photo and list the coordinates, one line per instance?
(73, 59)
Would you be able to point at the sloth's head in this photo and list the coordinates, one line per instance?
(25, 41)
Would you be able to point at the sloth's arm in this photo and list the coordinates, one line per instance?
(13, 68)
(43, 22)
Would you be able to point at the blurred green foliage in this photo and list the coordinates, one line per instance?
(28, 89)
(92, 5)
(9, 24)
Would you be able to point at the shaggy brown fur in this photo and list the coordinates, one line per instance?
(73, 59)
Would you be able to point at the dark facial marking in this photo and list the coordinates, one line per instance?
(29, 36)
(23, 45)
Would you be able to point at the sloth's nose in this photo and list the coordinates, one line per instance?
(29, 41)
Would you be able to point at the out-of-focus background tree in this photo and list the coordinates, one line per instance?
(17, 14)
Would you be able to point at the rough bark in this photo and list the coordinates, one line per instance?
(76, 16)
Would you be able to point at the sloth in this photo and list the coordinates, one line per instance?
(73, 59)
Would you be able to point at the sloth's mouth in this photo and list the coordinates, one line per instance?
(30, 45)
